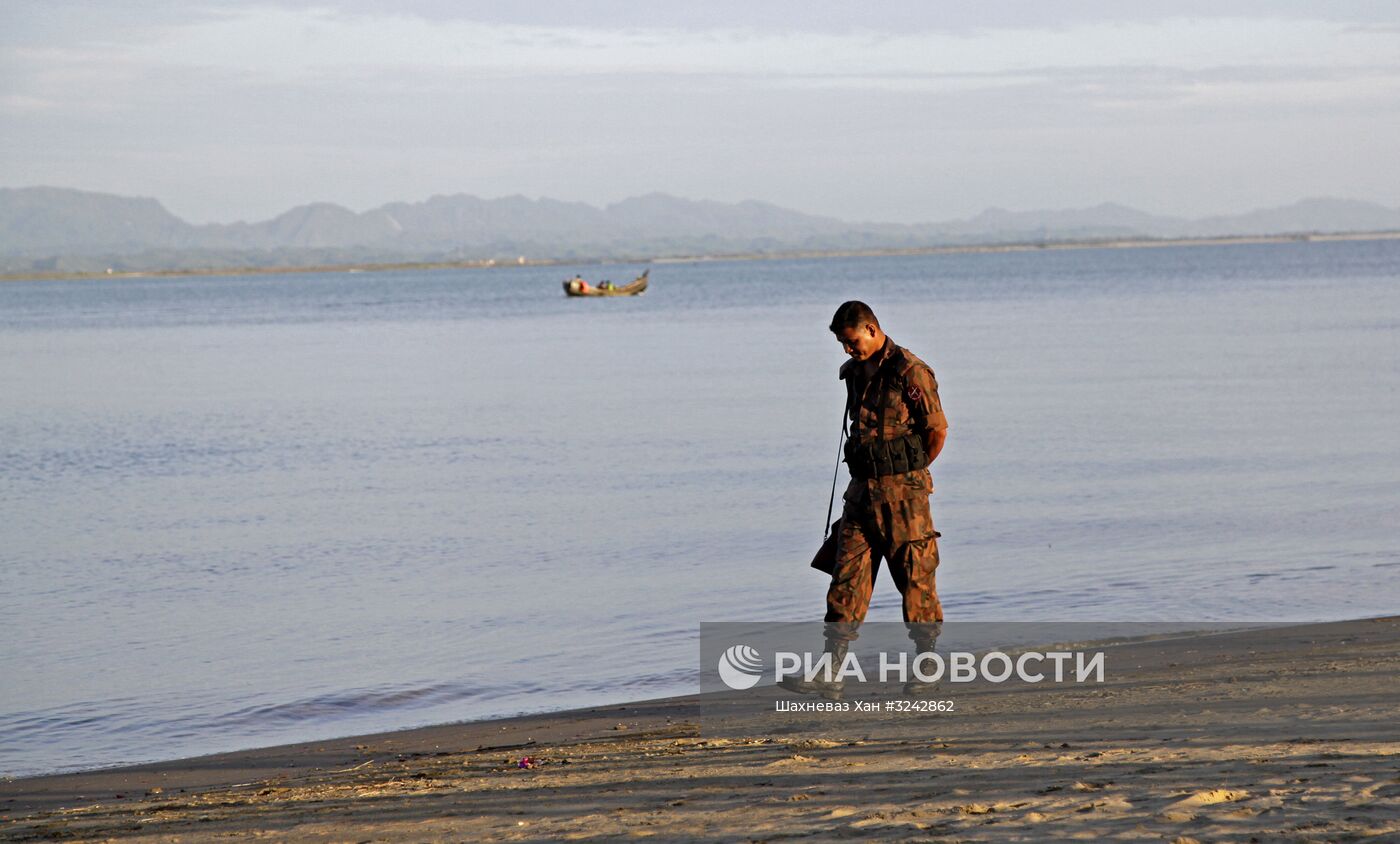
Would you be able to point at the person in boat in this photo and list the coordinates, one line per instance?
(897, 429)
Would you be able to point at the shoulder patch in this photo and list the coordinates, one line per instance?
(914, 393)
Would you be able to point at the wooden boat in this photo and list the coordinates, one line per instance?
(578, 287)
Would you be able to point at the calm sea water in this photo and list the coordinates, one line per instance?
(244, 511)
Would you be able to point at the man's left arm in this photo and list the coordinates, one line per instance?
(921, 391)
(933, 442)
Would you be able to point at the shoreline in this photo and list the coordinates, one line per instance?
(990, 248)
(1281, 733)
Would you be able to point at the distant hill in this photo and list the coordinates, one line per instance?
(45, 228)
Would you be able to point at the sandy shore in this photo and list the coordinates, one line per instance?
(1287, 734)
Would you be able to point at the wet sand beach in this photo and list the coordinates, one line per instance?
(1283, 734)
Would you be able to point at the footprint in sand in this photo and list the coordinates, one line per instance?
(1111, 804)
(1384, 791)
(1210, 798)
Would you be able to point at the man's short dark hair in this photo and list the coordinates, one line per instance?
(853, 314)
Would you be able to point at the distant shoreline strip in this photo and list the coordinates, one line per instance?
(1037, 246)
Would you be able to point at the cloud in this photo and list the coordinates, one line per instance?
(822, 16)
(296, 43)
(19, 104)
(53, 23)
(66, 21)
(260, 64)
(592, 101)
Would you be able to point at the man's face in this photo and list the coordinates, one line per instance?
(860, 343)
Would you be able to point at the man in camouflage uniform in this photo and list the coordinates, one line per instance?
(897, 430)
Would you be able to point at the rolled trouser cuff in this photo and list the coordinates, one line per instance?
(840, 632)
(924, 633)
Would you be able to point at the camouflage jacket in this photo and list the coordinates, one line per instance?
(900, 398)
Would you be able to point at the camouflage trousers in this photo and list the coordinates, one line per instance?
(901, 532)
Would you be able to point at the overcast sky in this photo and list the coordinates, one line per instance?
(902, 111)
